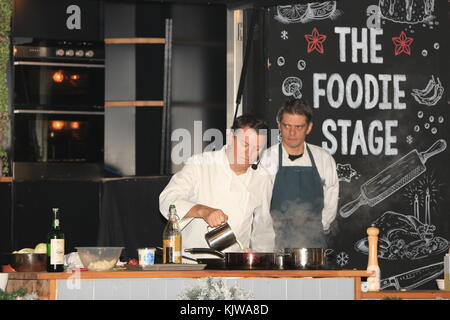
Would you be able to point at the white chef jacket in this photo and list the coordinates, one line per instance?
(207, 179)
(327, 171)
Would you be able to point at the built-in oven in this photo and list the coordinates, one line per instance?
(59, 75)
(58, 103)
(58, 144)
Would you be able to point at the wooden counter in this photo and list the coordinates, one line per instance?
(46, 284)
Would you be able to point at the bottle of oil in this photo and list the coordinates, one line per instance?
(172, 238)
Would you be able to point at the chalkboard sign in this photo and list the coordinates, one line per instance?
(376, 74)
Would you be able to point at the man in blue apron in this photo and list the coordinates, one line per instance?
(306, 186)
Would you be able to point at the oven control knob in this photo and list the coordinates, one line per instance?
(79, 53)
(60, 52)
(89, 53)
(70, 53)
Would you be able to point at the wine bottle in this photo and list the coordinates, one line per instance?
(55, 245)
(172, 238)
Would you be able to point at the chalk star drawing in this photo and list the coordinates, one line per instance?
(409, 139)
(315, 41)
(346, 172)
(402, 44)
(284, 35)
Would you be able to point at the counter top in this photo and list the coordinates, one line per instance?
(190, 274)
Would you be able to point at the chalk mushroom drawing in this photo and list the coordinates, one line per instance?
(393, 178)
(407, 11)
(431, 94)
(414, 278)
(305, 13)
(291, 87)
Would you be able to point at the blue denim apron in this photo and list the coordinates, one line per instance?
(297, 203)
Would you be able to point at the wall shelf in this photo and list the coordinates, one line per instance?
(135, 40)
(140, 103)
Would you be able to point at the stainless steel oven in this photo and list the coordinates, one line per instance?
(59, 75)
(58, 125)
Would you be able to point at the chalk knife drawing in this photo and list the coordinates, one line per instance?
(393, 178)
(414, 278)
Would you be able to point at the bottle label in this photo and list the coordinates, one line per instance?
(172, 250)
(57, 251)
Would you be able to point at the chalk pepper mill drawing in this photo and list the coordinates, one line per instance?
(373, 282)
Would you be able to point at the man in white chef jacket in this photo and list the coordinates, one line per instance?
(306, 186)
(225, 186)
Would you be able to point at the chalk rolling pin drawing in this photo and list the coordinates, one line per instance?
(393, 178)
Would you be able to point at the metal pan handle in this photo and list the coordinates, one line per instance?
(205, 250)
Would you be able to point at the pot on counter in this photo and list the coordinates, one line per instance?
(305, 258)
(238, 260)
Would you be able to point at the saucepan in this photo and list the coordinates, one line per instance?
(305, 258)
(238, 260)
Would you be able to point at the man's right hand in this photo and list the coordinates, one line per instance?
(215, 217)
(212, 216)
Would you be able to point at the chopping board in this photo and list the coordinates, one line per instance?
(166, 267)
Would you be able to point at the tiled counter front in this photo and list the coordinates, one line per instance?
(162, 285)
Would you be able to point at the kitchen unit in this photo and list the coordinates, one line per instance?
(167, 285)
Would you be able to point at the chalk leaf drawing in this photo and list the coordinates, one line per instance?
(414, 278)
(291, 87)
(345, 172)
(315, 41)
(304, 13)
(404, 237)
(407, 11)
(393, 178)
(402, 44)
(431, 94)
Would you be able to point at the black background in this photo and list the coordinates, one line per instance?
(417, 68)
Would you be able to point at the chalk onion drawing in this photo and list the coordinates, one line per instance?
(291, 87)
(414, 278)
(431, 94)
(407, 11)
(404, 237)
(345, 172)
(393, 178)
(304, 13)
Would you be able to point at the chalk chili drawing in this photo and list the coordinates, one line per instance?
(431, 94)
(393, 178)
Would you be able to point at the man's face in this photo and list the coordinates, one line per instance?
(247, 146)
(294, 129)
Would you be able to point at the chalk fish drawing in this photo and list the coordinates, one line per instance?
(393, 178)
(407, 11)
(404, 237)
(304, 13)
(291, 87)
(431, 94)
(414, 278)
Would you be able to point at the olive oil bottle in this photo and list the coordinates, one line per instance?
(172, 238)
(55, 245)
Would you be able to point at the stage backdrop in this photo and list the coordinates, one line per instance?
(376, 73)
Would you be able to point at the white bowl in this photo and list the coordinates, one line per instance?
(440, 284)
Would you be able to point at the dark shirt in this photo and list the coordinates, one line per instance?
(294, 157)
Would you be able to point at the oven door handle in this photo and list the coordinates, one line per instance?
(58, 112)
(58, 64)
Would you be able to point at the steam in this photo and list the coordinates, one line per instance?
(297, 226)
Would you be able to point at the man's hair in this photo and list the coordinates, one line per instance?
(296, 106)
(250, 121)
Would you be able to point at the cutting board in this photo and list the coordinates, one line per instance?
(166, 267)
